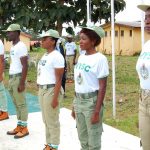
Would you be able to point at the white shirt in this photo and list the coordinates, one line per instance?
(46, 67)
(1, 48)
(143, 66)
(88, 70)
(70, 48)
(16, 52)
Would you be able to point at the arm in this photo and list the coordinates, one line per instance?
(1, 67)
(100, 98)
(58, 73)
(24, 62)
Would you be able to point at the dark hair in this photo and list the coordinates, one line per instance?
(18, 31)
(93, 36)
(148, 9)
(55, 39)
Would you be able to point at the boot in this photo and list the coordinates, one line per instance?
(4, 116)
(47, 147)
(14, 131)
(23, 132)
(0, 113)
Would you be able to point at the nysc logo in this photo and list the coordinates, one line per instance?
(84, 67)
(42, 62)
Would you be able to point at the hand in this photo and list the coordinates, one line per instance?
(54, 103)
(74, 62)
(73, 114)
(21, 88)
(95, 118)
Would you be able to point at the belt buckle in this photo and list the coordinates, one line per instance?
(44, 87)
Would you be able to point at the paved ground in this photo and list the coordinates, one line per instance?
(112, 139)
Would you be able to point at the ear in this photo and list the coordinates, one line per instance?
(93, 43)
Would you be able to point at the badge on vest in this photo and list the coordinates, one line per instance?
(144, 72)
(79, 79)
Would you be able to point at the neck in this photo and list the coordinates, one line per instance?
(16, 41)
(91, 51)
(50, 49)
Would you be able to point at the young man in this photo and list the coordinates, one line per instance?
(71, 51)
(17, 77)
(3, 98)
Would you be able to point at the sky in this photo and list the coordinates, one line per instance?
(130, 13)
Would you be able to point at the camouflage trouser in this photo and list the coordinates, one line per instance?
(3, 98)
(50, 115)
(70, 66)
(19, 99)
(89, 134)
(144, 118)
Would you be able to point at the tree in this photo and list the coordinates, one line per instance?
(44, 14)
(12, 11)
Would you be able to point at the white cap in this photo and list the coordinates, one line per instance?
(144, 6)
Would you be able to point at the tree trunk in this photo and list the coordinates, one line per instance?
(59, 23)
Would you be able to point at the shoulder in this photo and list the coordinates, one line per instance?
(21, 44)
(100, 55)
(57, 53)
(147, 43)
(1, 43)
(73, 43)
(101, 58)
(66, 43)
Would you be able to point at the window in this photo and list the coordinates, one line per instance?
(116, 33)
(130, 33)
(105, 33)
(122, 33)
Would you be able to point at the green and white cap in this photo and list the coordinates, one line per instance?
(99, 31)
(51, 33)
(13, 27)
(144, 6)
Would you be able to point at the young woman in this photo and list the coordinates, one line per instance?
(90, 75)
(49, 77)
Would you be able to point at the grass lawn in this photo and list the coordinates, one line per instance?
(127, 88)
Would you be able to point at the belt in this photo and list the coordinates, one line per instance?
(69, 55)
(47, 86)
(86, 95)
(14, 75)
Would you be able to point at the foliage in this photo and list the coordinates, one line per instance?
(42, 15)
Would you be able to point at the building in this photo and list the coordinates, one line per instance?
(23, 37)
(127, 38)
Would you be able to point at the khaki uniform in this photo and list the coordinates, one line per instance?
(3, 98)
(144, 119)
(70, 67)
(19, 99)
(50, 115)
(89, 134)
